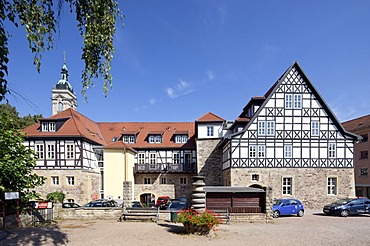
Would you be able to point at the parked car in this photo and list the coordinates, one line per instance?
(98, 203)
(136, 204)
(178, 204)
(163, 202)
(287, 207)
(348, 206)
(70, 205)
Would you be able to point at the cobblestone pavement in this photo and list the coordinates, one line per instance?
(312, 229)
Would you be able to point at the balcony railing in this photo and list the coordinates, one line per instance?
(168, 167)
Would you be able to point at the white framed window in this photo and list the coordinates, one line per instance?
(183, 180)
(128, 138)
(210, 131)
(55, 180)
(293, 101)
(332, 186)
(44, 127)
(50, 151)
(163, 180)
(52, 127)
(297, 101)
(40, 151)
(261, 151)
(266, 128)
(261, 128)
(152, 160)
(155, 139)
(252, 151)
(287, 186)
(141, 158)
(147, 180)
(255, 177)
(181, 138)
(288, 151)
(187, 158)
(70, 151)
(288, 101)
(60, 107)
(332, 150)
(315, 128)
(70, 180)
(176, 158)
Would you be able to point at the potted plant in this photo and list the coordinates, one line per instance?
(198, 223)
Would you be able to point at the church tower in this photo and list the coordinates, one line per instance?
(62, 95)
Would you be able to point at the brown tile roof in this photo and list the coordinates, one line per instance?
(210, 117)
(166, 129)
(75, 125)
(118, 145)
(358, 125)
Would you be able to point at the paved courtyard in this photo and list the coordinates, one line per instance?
(312, 229)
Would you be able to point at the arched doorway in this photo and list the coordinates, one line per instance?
(147, 199)
(257, 186)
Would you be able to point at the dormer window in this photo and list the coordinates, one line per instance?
(129, 139)
(51, 126)
(48, 127)
(44, 127)
(181, 138)
(155, 138)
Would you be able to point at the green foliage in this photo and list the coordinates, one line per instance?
(16, 160)
(56, 197)
(207, 218)
(18, 122)
(96, 23)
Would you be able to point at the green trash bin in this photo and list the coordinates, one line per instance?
(173, 216)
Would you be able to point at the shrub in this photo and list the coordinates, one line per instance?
(56, 197)
(207, 218)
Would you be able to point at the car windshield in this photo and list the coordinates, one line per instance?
(277, 202)
(342, 201)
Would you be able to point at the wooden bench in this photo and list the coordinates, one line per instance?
(139, 213)
(222, 214)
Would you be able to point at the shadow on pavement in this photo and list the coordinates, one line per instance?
(174, 228)
(50, 235)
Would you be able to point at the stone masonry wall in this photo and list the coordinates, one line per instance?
(86, 184)
(209, 161)
(309, 184)
(172, 188)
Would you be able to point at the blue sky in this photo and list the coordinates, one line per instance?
(177, 60)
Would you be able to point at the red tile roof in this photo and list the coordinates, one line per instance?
(75, 125)
(210, 117)
(358, 125)
(166, 129)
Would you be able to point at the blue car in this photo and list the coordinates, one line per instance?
(287, 207)
(348, 206)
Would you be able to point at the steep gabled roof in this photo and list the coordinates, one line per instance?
(272, 90)
(210, 117)
(358, 125)
(75, 125)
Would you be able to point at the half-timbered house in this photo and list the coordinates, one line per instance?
(290, 142)
(287, 143)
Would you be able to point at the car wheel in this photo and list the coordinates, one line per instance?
(344, 213)
(275, 214)
(300, 213)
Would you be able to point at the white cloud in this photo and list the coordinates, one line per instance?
(152, 101)
(180, 89)
(210, 75)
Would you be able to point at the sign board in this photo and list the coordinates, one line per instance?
(12, 195)
(43, 205)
